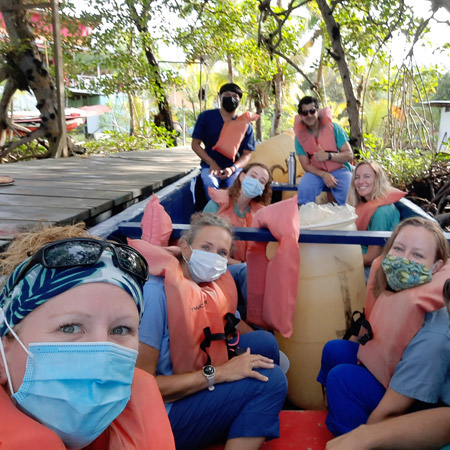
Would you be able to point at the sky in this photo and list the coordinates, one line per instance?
(439, 35)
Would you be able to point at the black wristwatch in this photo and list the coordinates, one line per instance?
(329, 155)
(210, 374)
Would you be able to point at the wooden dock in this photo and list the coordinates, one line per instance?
(85, 188)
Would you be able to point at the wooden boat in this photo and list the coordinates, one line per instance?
(304, 429)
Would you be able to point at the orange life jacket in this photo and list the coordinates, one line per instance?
(272, 285)
(232, 134)
(190, 309)
(226, 209)
(156, 224)
(395, 318)
(142, 425)
(365, 210)
(326, 139)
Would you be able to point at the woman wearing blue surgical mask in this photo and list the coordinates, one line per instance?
(69, 323)
(250, 192)
(380, 373)
(219, 378)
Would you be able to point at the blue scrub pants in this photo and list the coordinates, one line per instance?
(244, 408)
(352, 391)
(210, 180)
(310, 186)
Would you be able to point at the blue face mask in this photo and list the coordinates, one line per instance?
(251, 187)
(76, 389)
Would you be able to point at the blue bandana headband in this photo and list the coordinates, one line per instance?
(41, 284)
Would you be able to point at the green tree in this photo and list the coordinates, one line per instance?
(443, 88)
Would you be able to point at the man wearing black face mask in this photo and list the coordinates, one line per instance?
(218, 171)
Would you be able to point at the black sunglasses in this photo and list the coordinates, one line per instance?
(78, 252)
(311, 111)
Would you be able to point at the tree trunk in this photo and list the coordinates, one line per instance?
(164, 115)
(338, 54)
(8, 92)
(26, 69)
(277, 82)
(230, 68)
(258, 124)
(132, 117)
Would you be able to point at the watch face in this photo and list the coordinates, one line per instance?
(208, 370)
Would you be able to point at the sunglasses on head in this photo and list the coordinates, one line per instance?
(311, 111)
(79, 252)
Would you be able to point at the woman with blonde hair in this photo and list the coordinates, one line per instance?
(373, 197)
(69, 318)
(406, 282)
(220, 379)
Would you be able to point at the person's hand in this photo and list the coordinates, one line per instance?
(229, 171)
(321, 155)
(215, 169)
(329, 180)
(174, 250)
(243, 366)
(355, 440)
(225, 173)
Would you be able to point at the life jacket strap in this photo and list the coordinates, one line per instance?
(355, 328)
(230, 336)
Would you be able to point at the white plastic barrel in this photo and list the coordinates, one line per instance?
(331, 286)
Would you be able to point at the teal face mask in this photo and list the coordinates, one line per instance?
(402, 273)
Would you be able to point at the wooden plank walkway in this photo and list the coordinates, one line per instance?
(89, 189)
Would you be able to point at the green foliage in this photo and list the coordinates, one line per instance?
(374, 114)
(403, 166)
(150, 137)
(443, 88)
(27, 151)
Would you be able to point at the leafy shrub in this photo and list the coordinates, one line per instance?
(148, 137)
(403, 166)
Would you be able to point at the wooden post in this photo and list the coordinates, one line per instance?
(62, 150)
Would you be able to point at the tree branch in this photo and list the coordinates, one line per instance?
(312, 85)
(25, 140)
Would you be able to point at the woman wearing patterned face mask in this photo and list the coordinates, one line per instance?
(405, 283)
(69, 323)
(220, 380)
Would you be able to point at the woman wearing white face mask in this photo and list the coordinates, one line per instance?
(188, 339)
(69, 321)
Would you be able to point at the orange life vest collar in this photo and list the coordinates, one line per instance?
(190, 309)
(365, 210)
(143, 424)
(325, 139)
(395, 318)
(226, 209)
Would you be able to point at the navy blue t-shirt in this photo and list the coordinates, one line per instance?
(207, 129)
